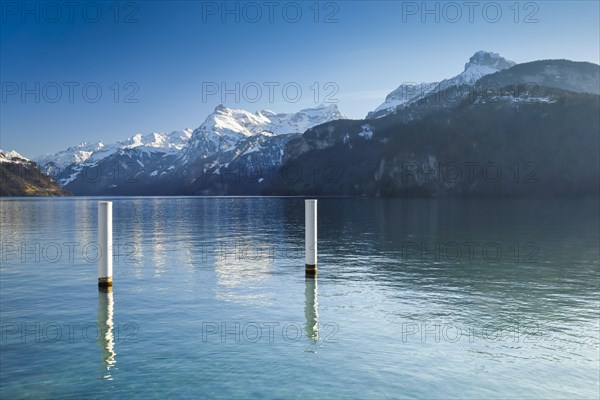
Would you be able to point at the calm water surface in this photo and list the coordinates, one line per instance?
(418, 298)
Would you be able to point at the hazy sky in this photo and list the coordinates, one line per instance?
(88, 71)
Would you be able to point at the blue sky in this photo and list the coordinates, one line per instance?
(156, 62)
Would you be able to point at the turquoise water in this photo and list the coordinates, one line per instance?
(418, 298)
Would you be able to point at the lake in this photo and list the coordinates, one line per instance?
(414, 298)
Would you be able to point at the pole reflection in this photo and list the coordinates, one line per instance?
(106, 338)
(311, 309)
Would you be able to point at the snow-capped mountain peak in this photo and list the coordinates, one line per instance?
(266, 113)
(225, 119)
(12, 157)
(89, 153)
(72, 155)
(167, 143)
(480, 64)
(489, 59)
(225, 127)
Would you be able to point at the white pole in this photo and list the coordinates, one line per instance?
(310, 236)
(105, 256)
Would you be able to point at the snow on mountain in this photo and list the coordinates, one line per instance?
(72, 155)
(159, 142)
(222, 130)
(226, 136)
(405, 93)
(302, 120)
(12, 157)
(225, 127)
(90, 153)
(509, 98)
(22, 177)
(480, 64)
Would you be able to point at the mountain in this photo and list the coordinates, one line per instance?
(545, 133)
(581, 77)
(181, 162)
(517, 82)
(536, 124)
(247, 169)
(225, 127)
(21, 177)
(236, 152)
(479, 65)
(66, 165)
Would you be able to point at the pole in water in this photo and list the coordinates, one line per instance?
(106, 328)
(311, 308)
(310, 236)
(105, 256)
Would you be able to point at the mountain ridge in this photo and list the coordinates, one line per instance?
(480, 64)
(259, 146)
(227, 135)
(559, 86)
